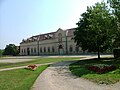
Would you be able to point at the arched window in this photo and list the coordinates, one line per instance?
(24, 50)
(53, 49)
(40, 49)
(34, 50)
(31, 50)
(70, 48)
(44, 49)
(48, 49)
(60, 37)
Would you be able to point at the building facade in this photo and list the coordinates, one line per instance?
(59, 42)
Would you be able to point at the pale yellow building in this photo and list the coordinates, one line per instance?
(59, 42)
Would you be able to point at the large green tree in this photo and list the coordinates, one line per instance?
(94, 31)
(11, 49)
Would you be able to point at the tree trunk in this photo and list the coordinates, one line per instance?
(98, 55)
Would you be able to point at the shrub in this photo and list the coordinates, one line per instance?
(116, 52)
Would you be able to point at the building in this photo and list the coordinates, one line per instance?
(59, 42)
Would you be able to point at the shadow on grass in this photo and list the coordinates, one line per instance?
(80, 68)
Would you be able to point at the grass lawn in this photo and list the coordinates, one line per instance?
(80, 69)
(19, 79)
(37, 61)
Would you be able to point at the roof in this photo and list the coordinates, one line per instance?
(46, 36)
(70, 31)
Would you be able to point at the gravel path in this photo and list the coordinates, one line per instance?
(58, 77)
(16, 59)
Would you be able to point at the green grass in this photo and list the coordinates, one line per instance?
(19, 79)
(79, 69)
(1, 57)
(37, 61)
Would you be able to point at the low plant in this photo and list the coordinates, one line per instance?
(108, 70)
(32, 67)
(101, 68)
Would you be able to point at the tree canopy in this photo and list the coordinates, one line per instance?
(95, 28)
(11, 49)
(115, 8)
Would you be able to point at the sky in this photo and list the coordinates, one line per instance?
(21, 19)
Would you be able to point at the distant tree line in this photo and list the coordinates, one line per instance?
(11, 49)
(1, 52)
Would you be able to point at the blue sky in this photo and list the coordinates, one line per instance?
(20, 19)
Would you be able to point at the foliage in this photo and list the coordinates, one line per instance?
(79, 69)
(1, 52)
(115, 5)
(11, 49)
(19, 79)
(116, 52)
(94, 31)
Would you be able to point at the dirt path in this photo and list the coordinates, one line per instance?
(58, 77)
(4, 69)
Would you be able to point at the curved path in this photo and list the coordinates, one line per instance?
(58, 77)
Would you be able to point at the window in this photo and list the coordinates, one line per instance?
(44, 49)
(34, 50)
(53, 50)
(41, 49)
(60, 37)
(24, 51)
(48, 49)
(31, 50)
(71, 49)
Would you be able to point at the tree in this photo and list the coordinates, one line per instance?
(94, 31)
(115, 7)
(11, 49)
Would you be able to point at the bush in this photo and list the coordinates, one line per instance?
(116, 52)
